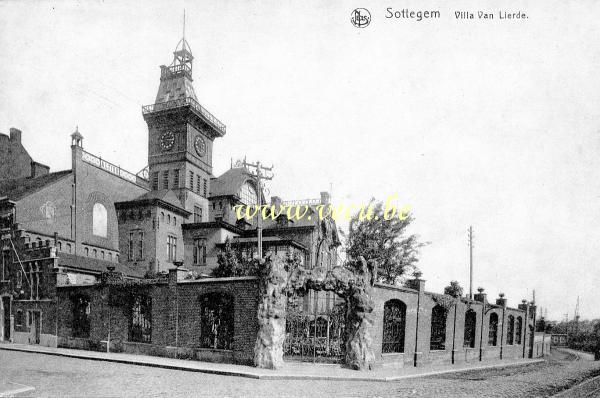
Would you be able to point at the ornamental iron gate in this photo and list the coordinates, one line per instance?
(315, 327)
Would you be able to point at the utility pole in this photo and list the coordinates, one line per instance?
(470, 262)
(259, 173)
(577, 317)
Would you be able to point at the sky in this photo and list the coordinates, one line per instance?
(493, 124)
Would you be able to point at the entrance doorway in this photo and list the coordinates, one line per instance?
(6, 318)
(36, 326)
(315, 326)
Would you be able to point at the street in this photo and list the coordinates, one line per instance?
(53, 376)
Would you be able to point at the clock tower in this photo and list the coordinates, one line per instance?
(180, 136)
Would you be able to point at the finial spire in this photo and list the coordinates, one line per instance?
(184, 28)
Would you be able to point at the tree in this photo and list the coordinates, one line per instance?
(385, 241)
(454, 289)
(232, 263)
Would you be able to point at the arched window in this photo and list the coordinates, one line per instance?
(87, 252)
(438, 328)
(470, 327)
(518, 330)
(216, 321)
(162, 216)
(493, 330)
(68, 248)
(394, 322)
(248, 194)
(99, 220)
(510, 330)
(95, 252)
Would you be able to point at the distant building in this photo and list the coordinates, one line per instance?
(16, 162)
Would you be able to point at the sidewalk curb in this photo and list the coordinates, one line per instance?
(262, 376)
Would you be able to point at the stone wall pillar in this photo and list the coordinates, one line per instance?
(419, 285)
(482, 298)
(502, 302)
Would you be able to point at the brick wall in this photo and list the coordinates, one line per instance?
(175, 312)
(417, 339)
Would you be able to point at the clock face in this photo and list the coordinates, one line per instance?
(167, 140)
(200, 146)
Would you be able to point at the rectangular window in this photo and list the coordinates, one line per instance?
(198, 184)
(165, 181)
(155, 180)
(130, 248)
(172, 248)
(205, 188)
(197, 214)
(191, 181)
(200, 251)
(176, 178)
(141, 245)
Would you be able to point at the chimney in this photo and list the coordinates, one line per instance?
(15, 134)
(325, 198)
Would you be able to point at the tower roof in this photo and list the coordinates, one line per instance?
(176, 79)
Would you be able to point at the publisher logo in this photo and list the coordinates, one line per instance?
(360, 17)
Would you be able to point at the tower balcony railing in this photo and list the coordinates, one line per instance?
(169, 71)
(188, 101)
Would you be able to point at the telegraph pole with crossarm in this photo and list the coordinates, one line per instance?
(259, 173)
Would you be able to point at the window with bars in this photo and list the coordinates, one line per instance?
(510, 330)
(191, 181)
(165, 179)
(140, 322)
(394, 322)
(518, 330)
(171, 248)
(493, 330)
(155, 180)
(470, 326)
(81, 316)
(198, 184)
(438, 328)
(199, 251)
(176, 178)
(205, 188)
(216, 321)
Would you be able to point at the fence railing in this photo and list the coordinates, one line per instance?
(192, 103)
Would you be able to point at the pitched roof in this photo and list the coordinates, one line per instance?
(228, 183)
(166, 197)
(95, 266)
(21, 187)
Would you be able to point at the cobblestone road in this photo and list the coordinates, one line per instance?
(58, 376)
